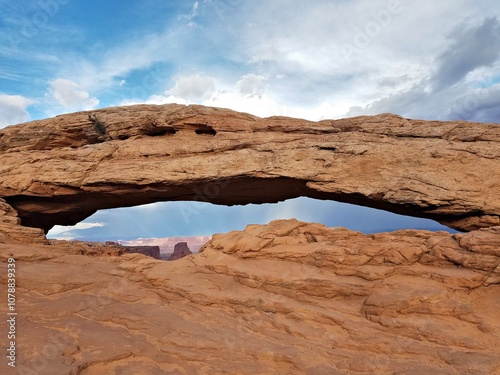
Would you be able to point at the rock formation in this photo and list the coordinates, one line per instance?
(284, 298)
(181, 250)
(150, 251)
(167, 244)
(61, 170)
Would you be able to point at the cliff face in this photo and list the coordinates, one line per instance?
(286, 298)
(61, 170)
(167, 244)
(181, 250)
(150, 251)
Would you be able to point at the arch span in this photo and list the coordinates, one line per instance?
(61, 170)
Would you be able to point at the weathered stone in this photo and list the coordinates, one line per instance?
(10, 229)
(284, 298)
(61, 170)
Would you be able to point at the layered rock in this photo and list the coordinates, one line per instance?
(61, 170)
(181, 250)
(284, 298)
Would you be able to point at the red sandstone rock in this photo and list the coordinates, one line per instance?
(283, 298)
(10, 229)
(61, 170)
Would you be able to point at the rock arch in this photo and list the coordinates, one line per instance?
(63, 169)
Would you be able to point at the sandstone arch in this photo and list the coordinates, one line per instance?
(63, 169)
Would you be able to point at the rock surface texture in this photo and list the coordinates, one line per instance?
(61, 170)
(284, 298)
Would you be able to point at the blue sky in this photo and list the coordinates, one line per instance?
(312, 59)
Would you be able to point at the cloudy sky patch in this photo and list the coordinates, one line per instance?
(13, 109)
(74, 232)
(313, 59)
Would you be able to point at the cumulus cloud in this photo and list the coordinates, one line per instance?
(461, 87)
(480, 104)
(71, 95)
(193, 87)
(471, 48)
(247, 94)
(292, 60)
(252, 85)
(13, 109)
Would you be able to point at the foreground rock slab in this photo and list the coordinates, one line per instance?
(284, 298)
(61, 170)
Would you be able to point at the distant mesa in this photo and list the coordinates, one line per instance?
(167, 244)
(181, 250)
(150, 251)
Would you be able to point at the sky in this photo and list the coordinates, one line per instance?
(311, 59)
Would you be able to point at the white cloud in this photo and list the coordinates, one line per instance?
(293, 60)
(245, 95)
(462, 84)
(252, 85)
(106, 68)
(248, 94)
(61, 232)
(303, 47)
(193, 87)
(13, 109)
(263, 106)
(194, 10)
(71, 95)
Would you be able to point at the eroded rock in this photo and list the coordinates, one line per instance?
(11, 230)
(61, 170)
(285, 298)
